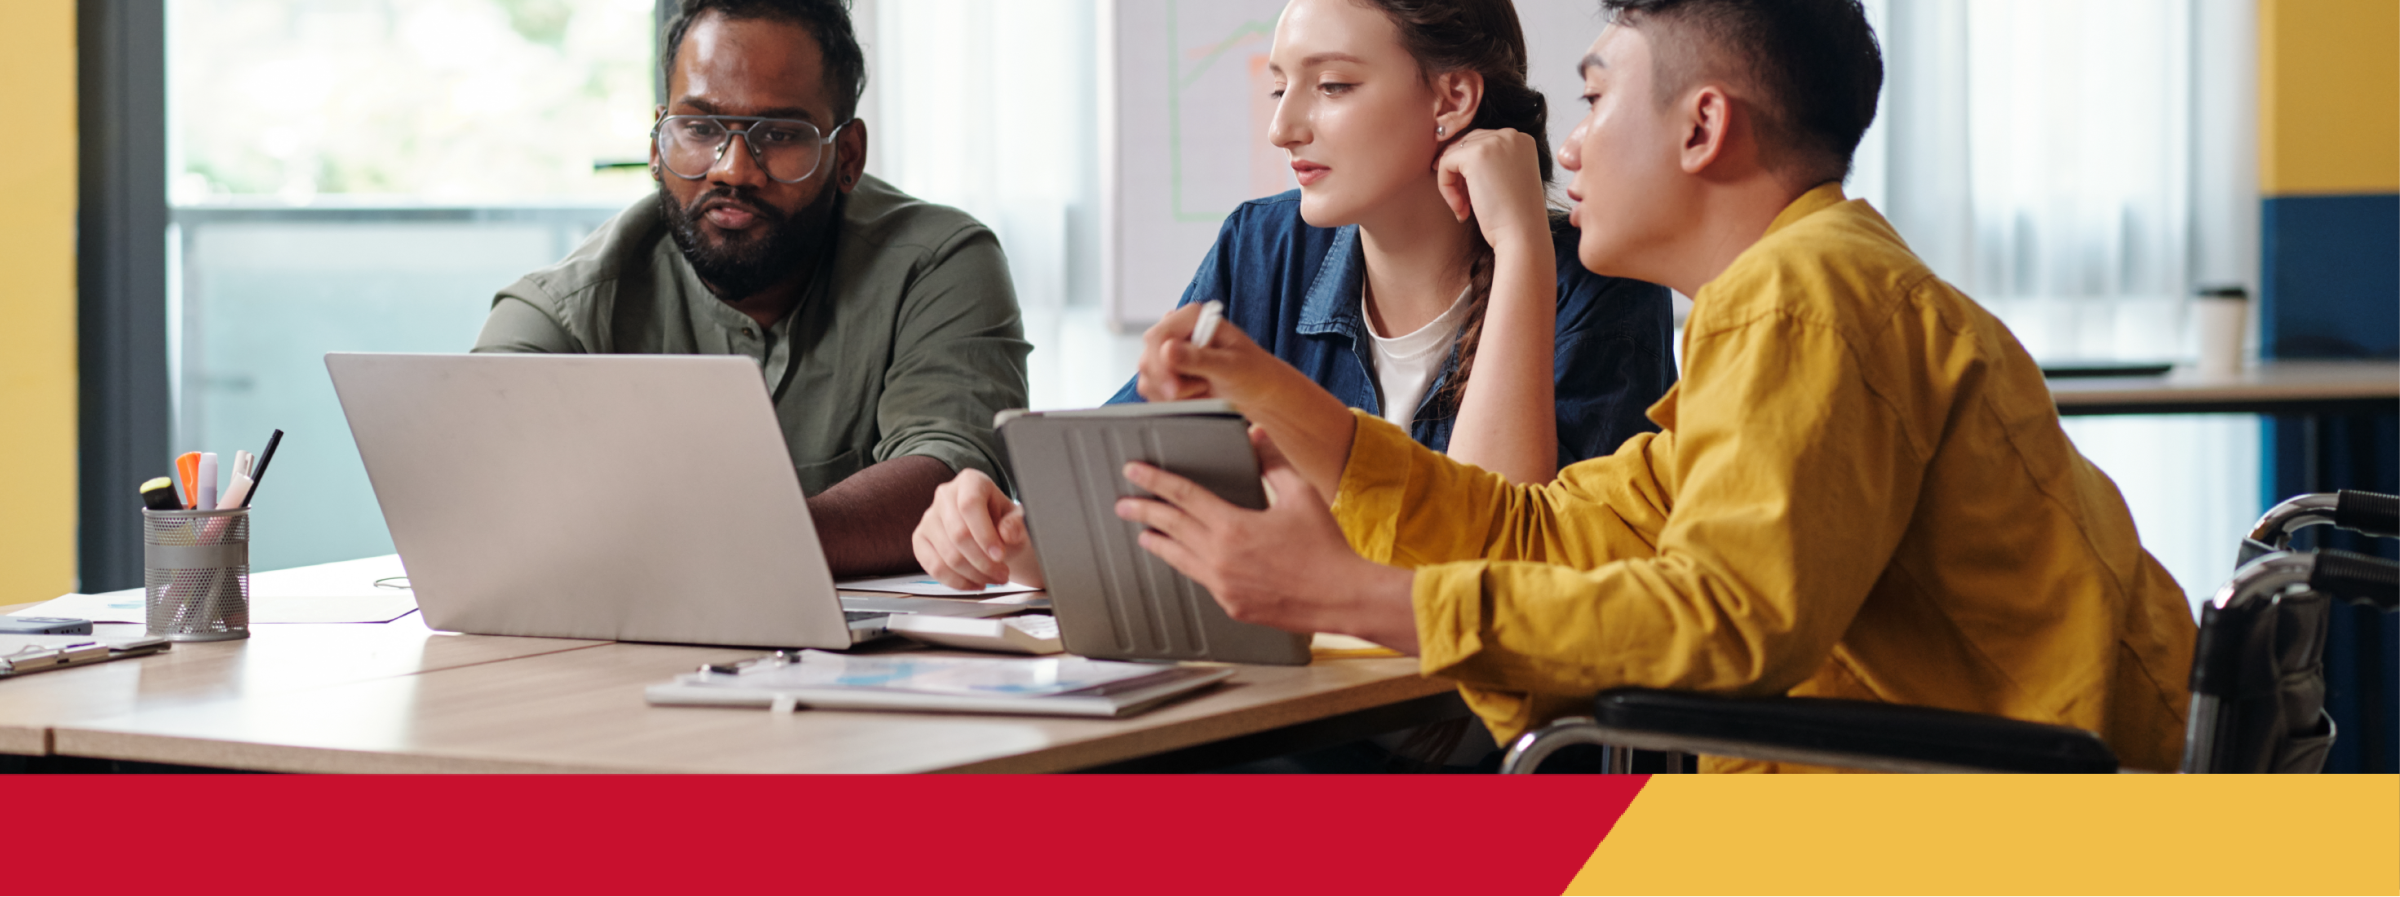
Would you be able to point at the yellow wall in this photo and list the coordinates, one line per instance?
(2328, 96)
(37, 301)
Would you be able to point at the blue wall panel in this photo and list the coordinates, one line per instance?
(2330, 276)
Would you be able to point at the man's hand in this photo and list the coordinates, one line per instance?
(1287, 566)
(1306, 420)
(973, 536)
(1230, 367)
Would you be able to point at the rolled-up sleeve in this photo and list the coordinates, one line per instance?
(1791, 485)
(958, 359)
(518, 324)
(1404, 504)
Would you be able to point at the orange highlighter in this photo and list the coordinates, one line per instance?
(187, 469)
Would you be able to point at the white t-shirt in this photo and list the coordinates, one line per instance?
(1405, 365)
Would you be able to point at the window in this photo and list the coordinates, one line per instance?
(992, 106)
(2078, 168)
(363, 175)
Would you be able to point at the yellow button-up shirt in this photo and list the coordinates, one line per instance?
(1861, 490)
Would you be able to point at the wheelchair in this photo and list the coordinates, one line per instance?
(2257, 682)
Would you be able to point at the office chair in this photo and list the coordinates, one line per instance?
(2258, 685)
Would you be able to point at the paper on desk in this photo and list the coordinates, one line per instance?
(106, 607)
(340, 579)
(342, 592)
(331, 609)
(126, 607)
(927, 587)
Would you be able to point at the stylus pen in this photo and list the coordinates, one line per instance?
(1212, 313)
(259, 475)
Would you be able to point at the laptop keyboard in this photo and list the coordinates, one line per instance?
(853, 616)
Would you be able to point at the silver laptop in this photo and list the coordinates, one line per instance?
(629, 497)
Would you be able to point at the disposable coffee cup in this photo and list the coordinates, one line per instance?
(2222, 313)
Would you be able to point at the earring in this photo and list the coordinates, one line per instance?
(1441, 130)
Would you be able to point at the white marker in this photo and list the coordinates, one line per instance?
(235, 493)
(1212, 313)
(207, 500)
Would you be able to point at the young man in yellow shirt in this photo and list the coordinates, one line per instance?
(1861, 489)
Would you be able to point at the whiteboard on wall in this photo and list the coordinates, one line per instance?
(1183, 141)
(1184, 110)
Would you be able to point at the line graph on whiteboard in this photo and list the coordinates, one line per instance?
(1185, 136)
(1220, 94)
(1184, 142)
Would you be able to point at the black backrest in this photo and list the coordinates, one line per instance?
(2258, 686)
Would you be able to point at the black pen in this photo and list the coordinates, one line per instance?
(259, 473)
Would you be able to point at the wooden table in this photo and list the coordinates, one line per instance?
(2268, 387)
(276, 658)
(2307, 390)
(397, 697)
(224, 676)
(583, 711)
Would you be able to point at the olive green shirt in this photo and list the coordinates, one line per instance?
(907, 344)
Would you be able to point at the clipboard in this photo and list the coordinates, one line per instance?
(1114, 599)
(23, 655)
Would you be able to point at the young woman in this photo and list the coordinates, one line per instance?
(1418, 273)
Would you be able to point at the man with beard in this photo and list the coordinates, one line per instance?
(885, 327)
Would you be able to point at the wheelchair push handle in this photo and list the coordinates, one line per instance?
(2357, 578)
(2372, 513)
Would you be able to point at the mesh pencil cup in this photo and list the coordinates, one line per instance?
(196, 574)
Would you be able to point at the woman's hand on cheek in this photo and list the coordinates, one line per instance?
(1496, 176)
(1287, 566)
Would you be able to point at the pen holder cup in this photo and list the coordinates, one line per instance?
(196, 574)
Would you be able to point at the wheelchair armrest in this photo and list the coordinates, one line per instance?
(1852, 734)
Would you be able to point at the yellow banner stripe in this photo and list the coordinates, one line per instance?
(2003, 835)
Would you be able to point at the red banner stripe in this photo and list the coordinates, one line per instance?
(845, 834)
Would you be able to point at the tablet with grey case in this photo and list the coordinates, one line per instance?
(1113, 599)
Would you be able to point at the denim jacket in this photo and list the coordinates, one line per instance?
(1295, 290)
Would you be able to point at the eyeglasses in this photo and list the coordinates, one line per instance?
(787, 149)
